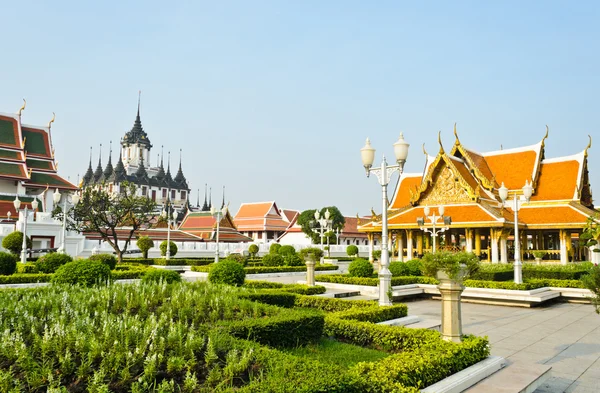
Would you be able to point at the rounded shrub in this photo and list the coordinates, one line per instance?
(83, 272)
(273, 260)
(50, 262)
(274, 248)
(8, 263)
(144, 243)
(172, 248)
(13, 242)
(360, 268)
(377, 255)
(287, 250)
(292, 260)
(108, 259)
(158, 275)
(415, 267)
(227, 272)
(352, 250)
(398, 269)
(253, 250)
(239, 258)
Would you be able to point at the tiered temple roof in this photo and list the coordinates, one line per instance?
(204, 225)
(260, 216)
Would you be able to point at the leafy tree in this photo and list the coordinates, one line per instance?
(592, 282)
(144, 243)
(102, 212)
(311, 229)
(13, 242)
(253, 250)
(591, 233)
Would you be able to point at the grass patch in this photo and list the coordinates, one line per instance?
(331, 351)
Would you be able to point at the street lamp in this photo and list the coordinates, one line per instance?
(384, 173)
(34, 206)
(434, 221)
(218, 215)
(324, 224)
(527, 192)
(74, 200)
(165, 214)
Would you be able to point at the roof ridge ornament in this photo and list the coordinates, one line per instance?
(545, 136)
(22, 107)
(440, 142)
(589, 146)
(425, 151)
(51, 121)
(456, 134)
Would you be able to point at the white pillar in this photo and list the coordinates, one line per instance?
(564, 257)
(371, 247)
(503, 249)
(595, 257)
(409, 245)
(469, 240)
(400, 240)
(494, 241)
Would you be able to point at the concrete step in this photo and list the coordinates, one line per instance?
(408, 320)
(468, 377)
(337, 293)
(361, 297)
(433, 324)
(516, 377)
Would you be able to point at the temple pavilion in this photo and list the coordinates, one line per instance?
(467, 184)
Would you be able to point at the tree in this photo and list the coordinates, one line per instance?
(102, 212)
(352, 250)
(172, 248)
(253, 250)
(144, 243)
(312, 230)
(13, 242)
(591, 233)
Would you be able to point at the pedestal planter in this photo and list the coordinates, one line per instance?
(451, 290)
(310, 270)
(538, 261)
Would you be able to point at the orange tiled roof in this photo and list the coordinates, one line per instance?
(351, 228)
(461, 214)
(402, 195)
(254, 210)
(481, 164)
(558, 215)
(557, 181)
(513, 168)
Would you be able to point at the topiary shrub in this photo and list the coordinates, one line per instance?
(108, 259)
(456, 266)
(352, 250)
(274, 248)
(292, 260)
(287, 250)
(157, 275)
(144, 243)
(360, 268)
(415, 267)
(253, 250)
(399, 269)
(273, 260)
(227, 272)
(13, 242)
(172, 249)
(239, 258)
(50, 262)
(314, 252)
(8, 263)
(83, 272)
(377, 255)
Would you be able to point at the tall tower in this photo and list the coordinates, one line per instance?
(135, 145)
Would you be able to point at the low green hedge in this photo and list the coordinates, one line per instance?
(374, 281)
(182, 262)
(25, 278)
(526, 286)
(270, 269)
(572, 271)
(27, 268)
(299, 289)
(161, 275)
(374, 314)
(273, 297)
(331, 304)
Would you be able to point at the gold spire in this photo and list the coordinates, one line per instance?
(22, 108)
(456, 133)
(440, 142)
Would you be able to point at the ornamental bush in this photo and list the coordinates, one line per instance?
(227, 272)
(414, 267)
(144, 243)
(172, 248)
(273, 260)
(292, 260)
(108, 259)
(592, 282)
(239, 258)
(287, 250)
(158, 275)
(377, 255)
(360, 268)
(352, 250)
(8, 263)
(316, 253)
(451, 264)
(50, 262)
(253, 250)
(399, 269)
(83, 272)
(274, 248)
(13, 242)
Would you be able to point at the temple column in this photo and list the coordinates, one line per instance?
(400, 245)
(409, 245)
(469, 240)
(494, 241)
(427, 241)
(477, 243)
(370, 236)
(564, 257)
(447, 238)
(504, 248)
(420, 243)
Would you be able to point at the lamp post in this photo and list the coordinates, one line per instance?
(337, 236)
(34, 206)
(384, 173)
(218, 215)
(527, 192)
(324, 223)
(434, 221)
(165, 214)
(75, 200)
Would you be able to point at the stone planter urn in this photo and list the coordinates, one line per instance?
(309, 259)
(538, 261)
(451, 290)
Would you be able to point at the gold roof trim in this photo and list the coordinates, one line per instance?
(488, 184)
(589, 146)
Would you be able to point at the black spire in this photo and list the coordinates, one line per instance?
(98, 173)
(160, 175)
(141, 173)
(179, 178)
(210, 198)
(198, 199)
(168, 177)
(223, 204)
(205, 207)
(87, 178)
(137, 133)
(109, 168)
(119, 175)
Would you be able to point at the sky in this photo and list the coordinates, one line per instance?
(274, 99)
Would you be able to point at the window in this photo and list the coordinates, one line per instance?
(183, 193)
(144, 191)
(173, 194)
(259, 235)
(164, 193)
(347, 242)
(154, 195)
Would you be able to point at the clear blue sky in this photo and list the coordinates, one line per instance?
(275, 98)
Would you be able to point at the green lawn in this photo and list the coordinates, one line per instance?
(341, 354)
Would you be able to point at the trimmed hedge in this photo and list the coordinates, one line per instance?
(374, 314)
(556, 272)
(332, 304)
(287, 329)
(25, 278)
(107, 259)
(27, 268)
(360, 268)
(526, 286)
(299, 289)
(270, 269)
(273, 297)
(84, 272)
(50, 262)
(158, 275)
(227, 272)
(8, 263)
(374, 281)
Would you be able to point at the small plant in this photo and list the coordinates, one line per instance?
(273, 260)
(274, 248)
(239, 258)
(8, 263)
(360, 268)
(108, 259)
(415, 267)
(399, 269)
(144, 243)
(311, 252)
(352, 250)
(49, 263)
(452, 264)
(84, 272)
(253, 250)
(539, 254)
(592, 282)
(292, 260)
(157, 275)
(172, 248)
(227, 272)
(13, 242)
(377, 255)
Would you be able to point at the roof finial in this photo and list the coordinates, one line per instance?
(23, 107)
(162, 153)
(51, 120)
(139, 99)
(588, 146)
(90, 156)
(168, 162)
(425, 151)
(100, 155)
(179, 158)
(198, 199)
(440, 142)
(210, 197)
(545, 136)
(223, 204)
(456, 133)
